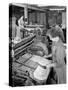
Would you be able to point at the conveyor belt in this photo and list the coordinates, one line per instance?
(24, 41)
(20, 48)
(23, 49)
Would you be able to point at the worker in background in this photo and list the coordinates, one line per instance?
(19, 27)
(58, 55)
(18, 36)
(21, 22)
(39, 43)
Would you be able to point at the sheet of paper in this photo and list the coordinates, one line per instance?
(27, 56)
(40, 60)
(41, 74)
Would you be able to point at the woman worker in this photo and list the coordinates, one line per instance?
(58, 55)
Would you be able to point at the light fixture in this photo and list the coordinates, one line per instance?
(52, 9)
(40, 5)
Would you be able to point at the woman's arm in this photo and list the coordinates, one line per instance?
(54, 64)
(50, 55)
(51, 65)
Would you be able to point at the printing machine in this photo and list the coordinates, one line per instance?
(21, 67)
(20, 49)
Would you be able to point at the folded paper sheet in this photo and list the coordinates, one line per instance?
(41, 74)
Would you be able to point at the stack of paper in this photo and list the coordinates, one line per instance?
(41, 74)
(40, 60)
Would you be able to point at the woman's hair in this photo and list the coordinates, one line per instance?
(55, 33)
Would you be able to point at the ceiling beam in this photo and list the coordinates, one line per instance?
(28, 6)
